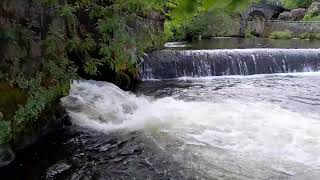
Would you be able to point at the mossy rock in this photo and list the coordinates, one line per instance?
(10, 99)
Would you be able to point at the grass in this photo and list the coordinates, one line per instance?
(10, 99)
(249, 34)
(281, 35)
(311, 18)
(310, 36)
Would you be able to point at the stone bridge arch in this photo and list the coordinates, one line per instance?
(256, 22)
(254, 18)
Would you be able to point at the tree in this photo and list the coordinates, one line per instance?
(182, 15)
(291, 4)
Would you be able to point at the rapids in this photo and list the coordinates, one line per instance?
(198, 114)
(218, 127)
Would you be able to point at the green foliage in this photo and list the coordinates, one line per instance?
(58, 66)
(90, 46)
(249, 33)
(281, 35)
(8, 34)
(35, 105)
(10, 98)
(288, 35)
(292, 4)
(175, 31)
(313, 13)
(211, 25)
(5, 131)
(311, 18)
(206, 18)
(186, 9)
(206, 25)
(310, 36)
(68, 12)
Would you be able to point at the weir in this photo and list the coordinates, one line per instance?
(168, 64)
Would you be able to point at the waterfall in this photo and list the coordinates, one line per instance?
(198, 63)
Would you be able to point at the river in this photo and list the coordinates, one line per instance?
(243, 43)
(199, 114)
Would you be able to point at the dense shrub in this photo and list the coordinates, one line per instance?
(205, 25)
(5, 131)
(281, 35)
(100, 47)
(93, 41)
(249, 33)
(313, 13)
(310, 36)
(292, 4)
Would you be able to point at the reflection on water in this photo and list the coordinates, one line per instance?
(244, 43)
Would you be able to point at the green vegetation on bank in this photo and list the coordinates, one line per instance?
(313, 12)
(289, 35)
(88, 39)
(310, 36)
(281, 35)
(292, 4)
(100, 47)
(205, 25)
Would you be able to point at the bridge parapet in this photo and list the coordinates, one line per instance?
(293, 22)
(272, 2)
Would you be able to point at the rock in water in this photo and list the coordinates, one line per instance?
(6, 156)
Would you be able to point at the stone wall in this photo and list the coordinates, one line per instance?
(28, 22)
(297, 27)
(23, 26)
(153, 20)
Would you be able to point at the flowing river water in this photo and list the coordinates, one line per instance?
(205, 114)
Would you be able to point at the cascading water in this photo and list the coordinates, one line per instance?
(263, 126)
(198, 63)
(215, 127)
(202, 124)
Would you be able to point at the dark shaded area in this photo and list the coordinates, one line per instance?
(80, 153)
(10, 98)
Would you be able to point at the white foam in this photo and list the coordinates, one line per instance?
(260, 129)
(297, 74)
(175, 44)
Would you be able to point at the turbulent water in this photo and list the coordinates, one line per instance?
(254, 127)
(199, 114)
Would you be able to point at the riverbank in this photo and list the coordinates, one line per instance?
(46, 44)
(184, 128)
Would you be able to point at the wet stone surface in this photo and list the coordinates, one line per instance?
(57, 169)
(80, 153)
(6, 155)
